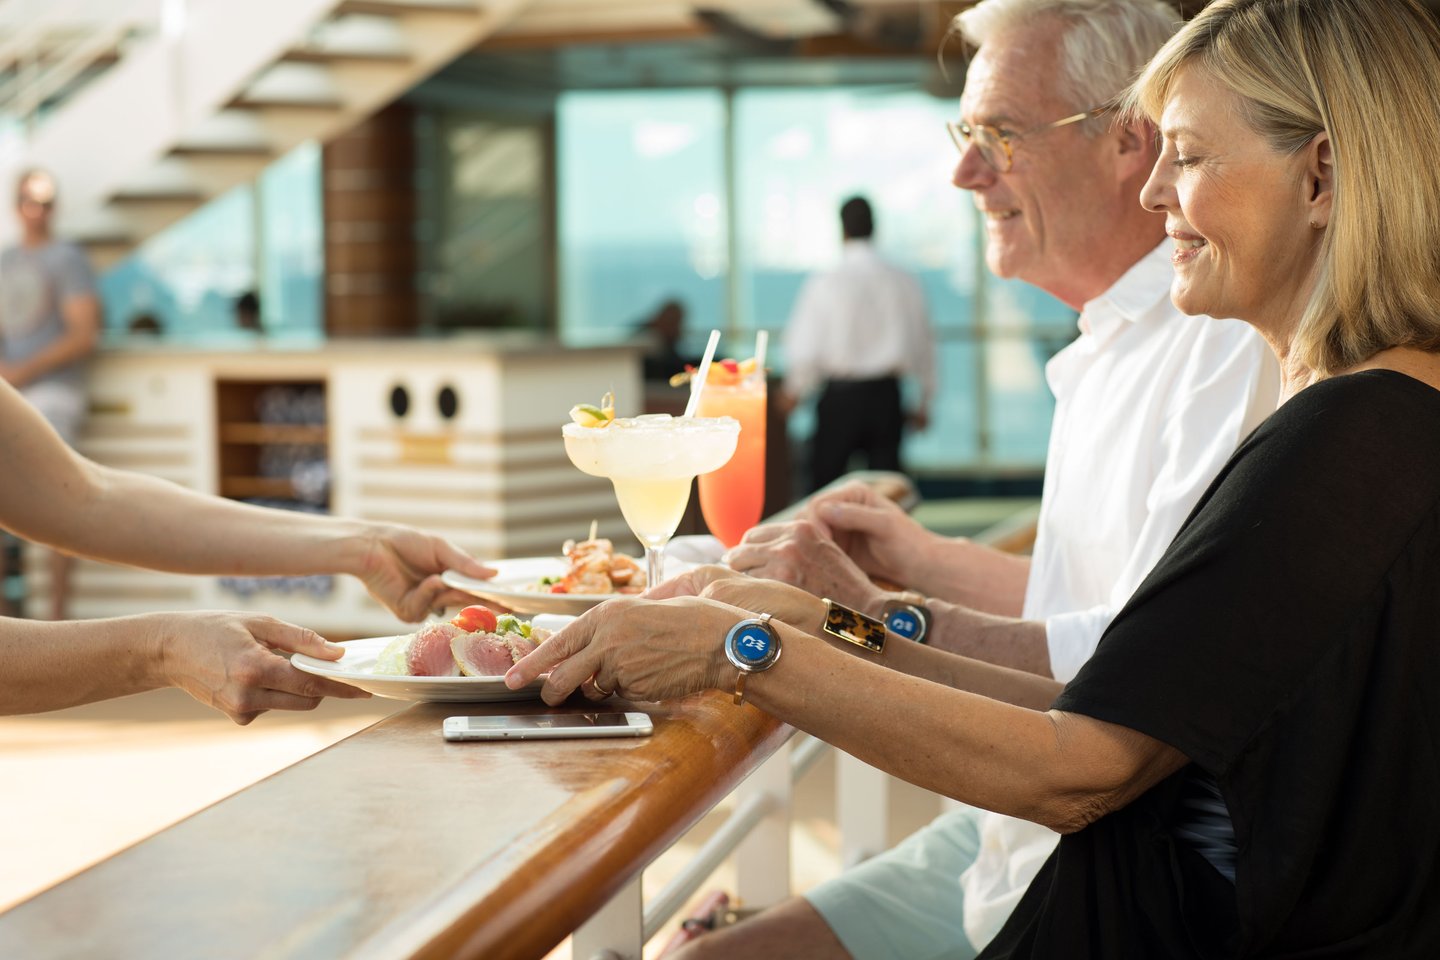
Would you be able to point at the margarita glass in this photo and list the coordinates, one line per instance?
(733, 497)
(651, 460)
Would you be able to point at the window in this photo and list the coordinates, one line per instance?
(642, 208)
(645, 208)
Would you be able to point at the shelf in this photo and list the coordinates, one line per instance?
(243, 488)
(291, 433)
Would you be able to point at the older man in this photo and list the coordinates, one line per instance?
(1149, 405)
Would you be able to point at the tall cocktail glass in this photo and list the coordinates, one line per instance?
(651, 461)
(733, 497)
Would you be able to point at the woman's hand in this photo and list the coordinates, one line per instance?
(401, 568)
(229, 661)
(799, 552)
(638, 649)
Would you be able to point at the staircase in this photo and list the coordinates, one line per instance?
(218, 91)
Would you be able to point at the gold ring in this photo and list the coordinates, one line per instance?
(600, 690)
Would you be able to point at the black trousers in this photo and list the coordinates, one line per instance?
(856, 416)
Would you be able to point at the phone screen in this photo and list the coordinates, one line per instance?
(568, 721)
(548, 726)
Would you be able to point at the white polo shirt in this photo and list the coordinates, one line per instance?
(1149, 405)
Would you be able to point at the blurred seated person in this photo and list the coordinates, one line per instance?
(231, 661)
(145, 325)
(247, 312)
(664, 330)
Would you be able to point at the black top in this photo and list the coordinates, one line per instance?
(1288, 643)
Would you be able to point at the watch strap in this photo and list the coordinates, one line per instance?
(852, 626)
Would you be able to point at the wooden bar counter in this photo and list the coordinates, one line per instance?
(396, 844)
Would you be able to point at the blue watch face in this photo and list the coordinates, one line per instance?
(903, 623)
(753, 642)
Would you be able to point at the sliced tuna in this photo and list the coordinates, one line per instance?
(483, 654)
(429, 654)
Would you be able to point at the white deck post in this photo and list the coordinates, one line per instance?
(762, 860)
(614, 932)
(862, 808)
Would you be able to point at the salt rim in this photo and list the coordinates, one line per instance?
(653, 423)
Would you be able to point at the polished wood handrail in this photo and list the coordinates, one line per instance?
(396, 844)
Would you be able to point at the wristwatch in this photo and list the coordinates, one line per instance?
(907, 616)
(752, 645)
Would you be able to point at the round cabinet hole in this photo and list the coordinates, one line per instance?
(448, 401)
(400, 401)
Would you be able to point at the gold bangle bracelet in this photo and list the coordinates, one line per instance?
(740, 688)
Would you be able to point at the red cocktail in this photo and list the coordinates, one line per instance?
(733, 497)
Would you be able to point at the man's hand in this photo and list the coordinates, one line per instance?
(880, 537)
(785, 603)
(799, 552)
(402, 566)
(229, 661)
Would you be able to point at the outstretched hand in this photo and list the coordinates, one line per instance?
(231, 661)
(645, 649)
(638, 649)
(402, 568)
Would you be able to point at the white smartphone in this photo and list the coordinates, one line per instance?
(548, 726)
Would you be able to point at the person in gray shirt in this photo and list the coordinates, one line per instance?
(49, 326)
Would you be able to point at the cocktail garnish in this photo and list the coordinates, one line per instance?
(589, 415)
(725, 373)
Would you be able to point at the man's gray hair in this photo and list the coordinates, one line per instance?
(1105, 44)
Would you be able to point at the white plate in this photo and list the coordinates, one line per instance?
(356, 665)
(513, 585)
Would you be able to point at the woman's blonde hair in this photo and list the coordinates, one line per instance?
(1366, 72)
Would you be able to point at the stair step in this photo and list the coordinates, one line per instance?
(260, 150)
(336, 55)
(193, 197)
(397, 8)
(245, 102)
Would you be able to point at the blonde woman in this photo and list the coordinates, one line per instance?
(1249, 764)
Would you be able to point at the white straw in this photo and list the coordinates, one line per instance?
(697, 382)
(762, 340)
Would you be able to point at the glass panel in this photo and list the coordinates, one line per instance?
(489, 266)
(1025, 328)
(292, 243)
(642, 209)
(953, 438)
(799, 155)
(188, 276)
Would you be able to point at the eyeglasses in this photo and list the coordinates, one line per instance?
(995, 146)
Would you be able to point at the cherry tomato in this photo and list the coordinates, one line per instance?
(475, 619)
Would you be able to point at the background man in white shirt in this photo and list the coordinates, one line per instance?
(1149, 406)
(854, 332)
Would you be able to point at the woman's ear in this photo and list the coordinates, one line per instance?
(1319, 180)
